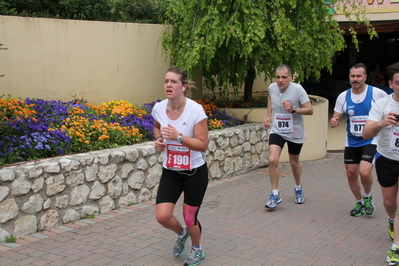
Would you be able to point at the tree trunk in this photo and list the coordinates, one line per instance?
(249, 83)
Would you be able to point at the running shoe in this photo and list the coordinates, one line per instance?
(273, 201)
(299, 198)
(195, 257)
(369, 208)
(180, 245)
(391, 232)
(393, 256)
(358, 210)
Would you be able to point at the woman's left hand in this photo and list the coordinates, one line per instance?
(169, 132)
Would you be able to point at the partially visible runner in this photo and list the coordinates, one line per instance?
(287, 103)
(355, 103)
(181, 132)
(384, 120)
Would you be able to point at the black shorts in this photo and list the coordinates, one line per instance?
(353, 155)
(387, 171)
(293, 148)
(192, 182)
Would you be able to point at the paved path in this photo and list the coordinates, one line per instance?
(238, 230)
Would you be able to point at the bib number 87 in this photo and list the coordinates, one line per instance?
(358, 127)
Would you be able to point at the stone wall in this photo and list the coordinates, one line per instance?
(316, 129)
(46, 193)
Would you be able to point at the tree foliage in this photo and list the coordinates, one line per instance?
(141, 11)
(228, 39)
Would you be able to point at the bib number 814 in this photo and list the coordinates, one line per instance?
(282, 124)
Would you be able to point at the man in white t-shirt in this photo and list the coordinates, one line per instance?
(359, 153)
(384, 120)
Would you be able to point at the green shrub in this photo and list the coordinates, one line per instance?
(139, 11)
(85, 9)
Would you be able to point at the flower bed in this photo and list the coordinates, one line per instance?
(47, 193)
(34, 128)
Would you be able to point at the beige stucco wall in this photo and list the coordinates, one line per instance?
(56, 59)
(316, 128)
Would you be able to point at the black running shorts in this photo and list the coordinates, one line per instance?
(192, 182)
(387, 171)
(353, 155)
(293, 148)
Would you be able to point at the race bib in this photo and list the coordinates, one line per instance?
(394, 139)
(178, 157)
(357, 124)
(284, 123)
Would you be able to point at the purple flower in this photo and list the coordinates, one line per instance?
(39, 146)
(41, 135)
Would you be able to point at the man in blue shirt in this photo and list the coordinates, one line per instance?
(359, 153)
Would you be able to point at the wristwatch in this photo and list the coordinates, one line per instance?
(180, 138)
(293, 109)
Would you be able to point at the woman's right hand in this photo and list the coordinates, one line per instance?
(159, 144)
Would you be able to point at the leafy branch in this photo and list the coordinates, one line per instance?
(234, 42)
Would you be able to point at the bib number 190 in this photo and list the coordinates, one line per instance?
(178, 157)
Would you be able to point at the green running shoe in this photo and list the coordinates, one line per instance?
(391, 232)
(180, 245)
(369, 208)
(393, 256)
(358, 210)
(195, 257)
